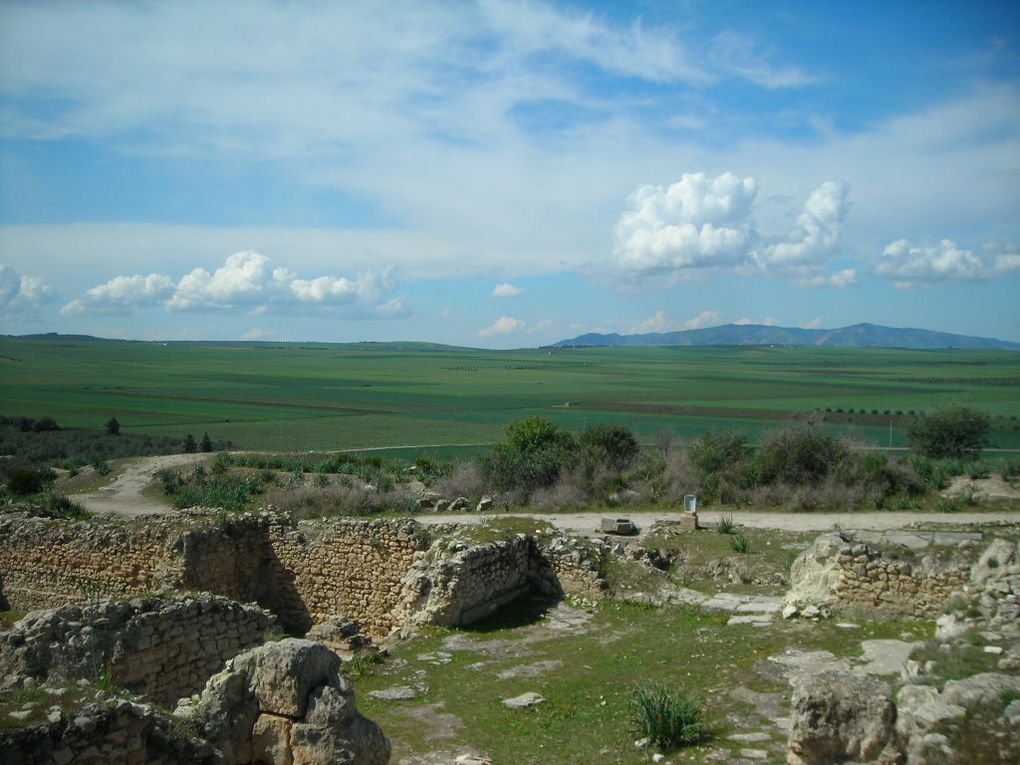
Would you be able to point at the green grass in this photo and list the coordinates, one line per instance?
(296, 397)
(589, 695)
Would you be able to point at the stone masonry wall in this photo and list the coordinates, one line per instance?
(366, 570)
(109, 732)
(48, 563)
(834, 572)
(163, 648)
(351, 568)
(896, 587)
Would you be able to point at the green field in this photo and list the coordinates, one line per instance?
(323, 397)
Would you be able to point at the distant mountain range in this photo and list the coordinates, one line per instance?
(858, 335)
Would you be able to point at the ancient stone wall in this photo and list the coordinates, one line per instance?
(834, 572)
(47, 563)
(376, 572)
(112, 732)
(896, 587)
(352, 568)
(163, 648)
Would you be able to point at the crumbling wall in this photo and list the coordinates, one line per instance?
(341, 566)
(836, 572)
(163, 648)
(110, 732)
(46, 563)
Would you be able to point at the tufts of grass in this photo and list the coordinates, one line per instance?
(740, 543)
(669, 718)
(725, 525)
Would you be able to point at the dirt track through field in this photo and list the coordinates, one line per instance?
(124, 496)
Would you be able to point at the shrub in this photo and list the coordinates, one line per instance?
(956, 431)
(669, 718)
(800, 454)
(613, 446)
(531, 455)
(26, 480)
(714, 452)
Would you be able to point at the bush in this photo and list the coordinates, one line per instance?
(612, 446)
(531, 455)
(26, 480)
(669, 718)
(799, 455)
(957, 431)
(714, 452)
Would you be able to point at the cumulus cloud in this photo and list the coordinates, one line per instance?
(247, 280)
(20, 293)
(816, 233)
(122, 295)
(703, 226)
(695, 223)
(768, 321)
(657, 322)
(506, 291)
(504, 325)
(704, 319)
(907, 264)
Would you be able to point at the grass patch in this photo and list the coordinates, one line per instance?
(669, 718)
(740, 543)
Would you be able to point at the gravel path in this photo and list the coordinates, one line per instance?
(783, 521)
(124, 496)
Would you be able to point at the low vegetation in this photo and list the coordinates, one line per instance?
(669, 718)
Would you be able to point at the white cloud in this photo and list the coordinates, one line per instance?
(258, 334)
(695, 223)
(815, 323)
(544, 325)
(20, 293)
(768, 321)
(846, 277)
(504, 325)
(703, 225)
(247, 280)
(816, 233)
(907, 264)
(506, 291)
(704, 319)
(122, 295)
(738, 54)
(657, 322)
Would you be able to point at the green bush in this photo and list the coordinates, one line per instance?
(957, 431)
(714, 452)
(799, 455)
(725, 525)
(612, 446)
(531, 455)
(669, 718)
(27, 480)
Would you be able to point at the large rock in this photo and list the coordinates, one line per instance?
(284, 673)
(814, 576)
(841, 717)
(285, 703)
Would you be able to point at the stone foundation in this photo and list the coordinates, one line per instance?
(165, 649)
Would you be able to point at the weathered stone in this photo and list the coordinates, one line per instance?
(839, 717)
(523, 701)
(282, 674)
(271, 740)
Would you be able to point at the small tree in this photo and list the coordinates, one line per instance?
(954, 431)
(206, 443)
(531, 455)
(190, 447)
(113, 427)
(611, 445)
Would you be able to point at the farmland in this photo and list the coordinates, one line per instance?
(301, 396)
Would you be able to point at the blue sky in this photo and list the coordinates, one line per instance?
(506, 174)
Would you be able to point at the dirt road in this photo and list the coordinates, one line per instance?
(783, 521)
(124, 496)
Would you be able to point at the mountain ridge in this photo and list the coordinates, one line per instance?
(862, 335)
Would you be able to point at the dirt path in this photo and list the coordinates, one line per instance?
(588, 522)
(124, 496)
